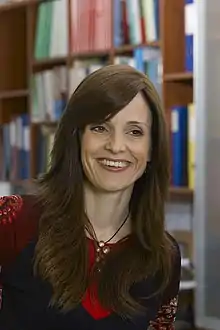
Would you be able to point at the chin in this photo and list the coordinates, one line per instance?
(111, 188)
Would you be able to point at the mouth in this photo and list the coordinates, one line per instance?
(114, 165)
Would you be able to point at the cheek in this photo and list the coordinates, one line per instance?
(85, 155)
(142, 157)
(85, 144)
(84, 151)
(88, 151)
(142, 153)
(86, 165)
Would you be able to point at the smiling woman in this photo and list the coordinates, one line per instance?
(102, 257)
(119, 146)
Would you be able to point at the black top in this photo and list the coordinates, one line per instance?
(25, 298)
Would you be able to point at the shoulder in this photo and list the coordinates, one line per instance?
(174, 248)
(169, 300)
(19, 216)
(10, 206)
(175, 257)
(172, 289)
(15, 208)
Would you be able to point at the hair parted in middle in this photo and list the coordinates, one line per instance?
(61, 255)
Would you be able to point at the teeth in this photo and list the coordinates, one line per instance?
(111, 163)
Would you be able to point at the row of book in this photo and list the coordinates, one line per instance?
(183, 131)
(136, 22)
(51, 88)
(92, 25)
(51, 34)
(49, 94)
(144, 59)
(15, 149)
(147, 60)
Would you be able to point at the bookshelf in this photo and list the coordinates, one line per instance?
(179, 76)
(18, 64)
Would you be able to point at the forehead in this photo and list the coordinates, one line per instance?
(137, 111)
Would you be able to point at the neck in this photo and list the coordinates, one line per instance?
(107, 211)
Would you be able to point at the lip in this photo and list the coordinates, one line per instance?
(114, 160)
(114, 169)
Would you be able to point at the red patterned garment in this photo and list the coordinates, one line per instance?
(25, 298)
(166, 316)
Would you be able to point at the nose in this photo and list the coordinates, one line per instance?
(116, 143)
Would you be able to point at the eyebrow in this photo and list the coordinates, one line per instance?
(133, 122)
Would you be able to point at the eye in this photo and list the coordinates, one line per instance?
(136, 132)
(98, 128)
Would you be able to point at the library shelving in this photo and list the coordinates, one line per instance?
(31, 56)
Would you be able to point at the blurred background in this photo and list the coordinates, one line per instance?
(48, 47)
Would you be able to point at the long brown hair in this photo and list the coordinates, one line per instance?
(61, 251)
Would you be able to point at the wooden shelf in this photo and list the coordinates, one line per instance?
(118, 50)
(179, 77)
(16, 71)
(48, 63)
(130, 48)
(11, 5)
(90, 54)
(14, 94)
(180, 194)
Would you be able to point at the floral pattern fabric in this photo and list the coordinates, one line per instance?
(166, 316)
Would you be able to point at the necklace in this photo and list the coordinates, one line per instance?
(101, 246)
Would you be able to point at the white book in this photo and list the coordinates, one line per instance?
(137, 21)
(77, 74)
(59, 38)
(149, 19)
(49, 94)
(40, 97)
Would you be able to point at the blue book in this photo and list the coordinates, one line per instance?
(6, 152)
(189, 34)
(179, 136)
(139, 59)
(117, 23)
(152, 72)
(157, 18)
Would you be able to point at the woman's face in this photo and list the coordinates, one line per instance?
(115, 154)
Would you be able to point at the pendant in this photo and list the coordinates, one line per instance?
(101, 244)
(101, 250)
(106, 249)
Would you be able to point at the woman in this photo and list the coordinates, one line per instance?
(89, 250)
